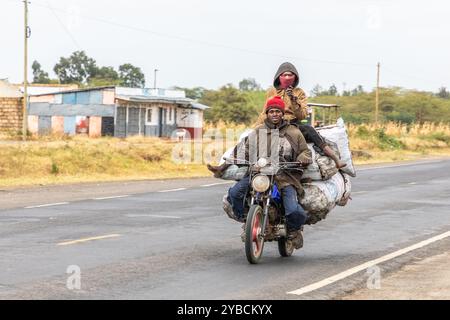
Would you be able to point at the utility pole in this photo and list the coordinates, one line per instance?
(25, 73)
(154, 80)
(377, 93)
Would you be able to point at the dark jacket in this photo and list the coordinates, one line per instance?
(299, 151)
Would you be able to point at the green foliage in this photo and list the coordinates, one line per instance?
(362, 132)
(131, 76)
(386, 142)
(78, 68)
(439, 136)
(249, 84)
(195, 93)
(55, 169)
(396, 104)
(83, 70)
(443, 93)
(231, 105)
(39, 75)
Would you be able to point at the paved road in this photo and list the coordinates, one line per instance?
(178, 244)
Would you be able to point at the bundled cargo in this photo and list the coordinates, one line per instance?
(322, 167)
(322, 196)
(338, 134)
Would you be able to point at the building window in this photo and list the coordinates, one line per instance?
(150, 117)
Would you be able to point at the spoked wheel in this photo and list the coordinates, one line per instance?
(285, 247)
(254, 239)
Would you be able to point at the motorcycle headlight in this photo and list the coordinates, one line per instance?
(261, 183)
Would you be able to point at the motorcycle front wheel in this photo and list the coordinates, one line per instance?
(254, 238)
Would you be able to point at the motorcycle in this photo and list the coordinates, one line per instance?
(265, 220)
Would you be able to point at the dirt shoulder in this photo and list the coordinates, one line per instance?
(428, 279)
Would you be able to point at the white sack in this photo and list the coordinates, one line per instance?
(338, 135)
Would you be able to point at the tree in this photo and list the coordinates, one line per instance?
(317, 90)
(443, 93)
(358, 90)
(333, 91)
(194, 93)
(78, 68)
(249, 84)
(131, 76)
(105, 76)
(228, 104)
(39, 75)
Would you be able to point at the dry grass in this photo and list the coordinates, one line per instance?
(62, 159)
(80, 159)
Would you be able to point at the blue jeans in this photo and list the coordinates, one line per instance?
(236, 196)
(295, 214)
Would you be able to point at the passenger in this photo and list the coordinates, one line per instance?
(285, 85)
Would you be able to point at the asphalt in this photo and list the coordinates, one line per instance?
(179, 244)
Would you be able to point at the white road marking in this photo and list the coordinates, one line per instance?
(151, 216)
(366, 265)
(66, 243)
(216, 184)
(47, 205)
(112, 197)
(359, 192)
(400, 165)
(412, 183)
(172, 190)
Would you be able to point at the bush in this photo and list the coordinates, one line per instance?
(386, 141)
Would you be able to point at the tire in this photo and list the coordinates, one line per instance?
(254, 244)
(285, 247)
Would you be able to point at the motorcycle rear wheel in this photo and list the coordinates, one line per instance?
(285, 247)
(254, 239)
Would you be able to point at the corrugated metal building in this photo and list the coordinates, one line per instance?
(117, 111)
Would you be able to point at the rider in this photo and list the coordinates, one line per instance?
(292, 146)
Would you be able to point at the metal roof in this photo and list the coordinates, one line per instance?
(148, 99)
(74, 90)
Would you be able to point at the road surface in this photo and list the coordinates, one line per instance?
(171, 240)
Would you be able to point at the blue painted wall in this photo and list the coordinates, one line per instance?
(84, 97)
(69, 125)
(69, 98)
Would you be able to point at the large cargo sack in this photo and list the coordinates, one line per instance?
(338, 134)
(322, 196)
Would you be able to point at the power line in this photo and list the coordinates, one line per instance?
(64, 26)
(205, 43)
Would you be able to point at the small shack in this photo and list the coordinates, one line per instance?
(116, 111)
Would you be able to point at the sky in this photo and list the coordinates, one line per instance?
(211, 43)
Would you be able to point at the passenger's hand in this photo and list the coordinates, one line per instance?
(289, 91)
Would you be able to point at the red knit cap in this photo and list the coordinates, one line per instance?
(275, 103)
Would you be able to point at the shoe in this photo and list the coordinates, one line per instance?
(296, 238)
(226, 205)
(218, 170)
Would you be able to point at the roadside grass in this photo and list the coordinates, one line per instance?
(62, 159)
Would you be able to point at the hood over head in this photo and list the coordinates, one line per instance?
(285, 67)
